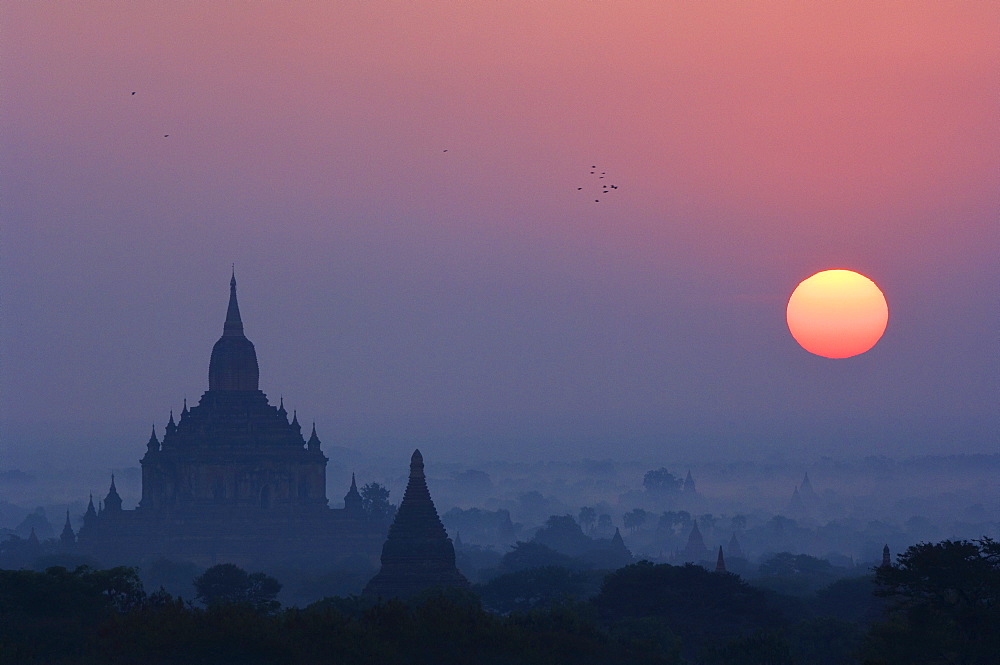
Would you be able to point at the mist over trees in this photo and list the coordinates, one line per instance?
(938, 603)
(609, 557)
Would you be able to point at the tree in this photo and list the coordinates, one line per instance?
(534, 555)
(588, 516)
(760, 648)
(375, 501)
(533, 588)
(675, 521)
(634, 519)
(228, 584)
(662, 482)
(946, 605)
(563, 534)
(702, 608)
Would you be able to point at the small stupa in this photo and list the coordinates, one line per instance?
(417, 553)
(720, 563)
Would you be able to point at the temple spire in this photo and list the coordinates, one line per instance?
(313, 443)
(417, 553)
(720, 563)
(67, 538)
(153, 444)
(234, 324)
(113, 502)
(353, 503)
(233, 365)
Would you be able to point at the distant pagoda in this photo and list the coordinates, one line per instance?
(417, 553)
(695, 551)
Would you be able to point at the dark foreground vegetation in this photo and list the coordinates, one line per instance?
(940, 606)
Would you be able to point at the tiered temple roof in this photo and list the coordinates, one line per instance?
(417, 553)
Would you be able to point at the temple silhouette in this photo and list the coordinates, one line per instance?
(233, 480)
(418, 552)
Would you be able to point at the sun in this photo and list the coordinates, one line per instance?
(837, 314)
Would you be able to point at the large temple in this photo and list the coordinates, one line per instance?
(233, 480)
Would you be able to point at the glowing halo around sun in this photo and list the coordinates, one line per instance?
(837, 314)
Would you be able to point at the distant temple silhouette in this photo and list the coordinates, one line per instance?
(695, 551)
(417, 553)
(232, 481)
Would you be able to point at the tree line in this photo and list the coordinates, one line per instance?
(941, 606)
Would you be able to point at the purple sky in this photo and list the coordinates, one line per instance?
(397, 186)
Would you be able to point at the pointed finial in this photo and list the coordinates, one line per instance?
(67, 518)
(112, 482)
(313, 443)
(171, 423)
(234, 324)
(185, 409)
(354, 483)
(295, 417)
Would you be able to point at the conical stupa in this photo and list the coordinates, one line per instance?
(417, 554)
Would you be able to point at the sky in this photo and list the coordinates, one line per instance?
(399, 187)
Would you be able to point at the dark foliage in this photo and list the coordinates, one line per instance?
(59, 617)
(228, 584)
(375, 502)
(534, 555)
(699, 606)
(52, 616)
(945, 605)
(537, 588)
(563, 534)
(757, 649)
(662, 482)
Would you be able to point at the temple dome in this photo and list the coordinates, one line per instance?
(233, 365)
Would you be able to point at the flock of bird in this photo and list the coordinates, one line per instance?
(606, 187)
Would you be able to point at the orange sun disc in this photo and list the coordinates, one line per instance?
(837, 314)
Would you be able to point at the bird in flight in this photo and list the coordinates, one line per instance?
(604, 188)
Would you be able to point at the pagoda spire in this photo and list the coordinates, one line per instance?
(233, 365)
(113, 501)
(313, 443)
(234, 324)
(417, 553)
(152, 445)
(67, 538)
(720, 563)
(353, 503)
